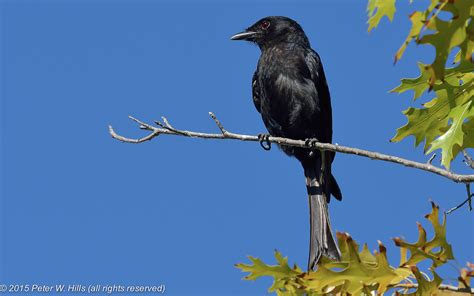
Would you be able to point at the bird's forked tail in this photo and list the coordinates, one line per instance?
(321, 239)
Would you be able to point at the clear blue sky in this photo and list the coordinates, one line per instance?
(78, 207)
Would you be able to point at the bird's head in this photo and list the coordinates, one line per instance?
(273, 30)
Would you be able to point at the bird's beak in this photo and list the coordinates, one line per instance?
(245, 35)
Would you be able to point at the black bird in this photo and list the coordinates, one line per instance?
(291, 93)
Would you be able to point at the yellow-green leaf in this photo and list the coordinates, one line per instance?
(377, 9)
(362, 272)
(468, 142)
(356, 273)
(431, 121)
(281, 272)
(419, 84)
(454, 136)
(423, 249)
(425, 286)
(447, 34)
(417, 22)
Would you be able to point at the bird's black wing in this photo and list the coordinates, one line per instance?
(313, 62)
(316, 69)
(256, 91)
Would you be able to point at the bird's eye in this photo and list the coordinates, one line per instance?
(265, 25)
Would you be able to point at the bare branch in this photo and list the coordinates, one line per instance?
(167, 129)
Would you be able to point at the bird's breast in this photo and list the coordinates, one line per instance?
(288, 99)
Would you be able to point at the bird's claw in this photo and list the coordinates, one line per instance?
(310, 144)
(264, 142)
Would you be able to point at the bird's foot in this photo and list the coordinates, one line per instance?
(263, 139)
(310, 144)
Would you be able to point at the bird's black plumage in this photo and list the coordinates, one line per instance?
(291, 93)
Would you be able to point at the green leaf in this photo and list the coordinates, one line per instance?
(448, 34)
(437, 123)
(454, 76)
(466, 49)
(431, 121)
(377, 9)
(419, 84)
(454, 135)
(468, 130)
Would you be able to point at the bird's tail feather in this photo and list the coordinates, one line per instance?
(334, 188)
(321, 239)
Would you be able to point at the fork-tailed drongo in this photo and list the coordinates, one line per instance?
(291, 93)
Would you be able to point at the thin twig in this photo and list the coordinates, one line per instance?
(160, 124)
(169, 127)
(431, 158)
(440, 287)
(468, 160)
(165, 120)
(166, 130)
(219, 125)
(134, 141)
(143, 125)
(467, 200)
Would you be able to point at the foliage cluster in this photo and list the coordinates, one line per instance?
(445, 121)
(361, 272)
